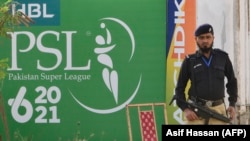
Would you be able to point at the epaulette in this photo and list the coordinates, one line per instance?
(217, 50)
(191, 56)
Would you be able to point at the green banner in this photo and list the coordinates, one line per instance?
(73, 72)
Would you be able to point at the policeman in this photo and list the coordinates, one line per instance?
(207, 69)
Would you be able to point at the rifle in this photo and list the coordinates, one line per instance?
(203, 111)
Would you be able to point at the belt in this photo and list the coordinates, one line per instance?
(208, 103)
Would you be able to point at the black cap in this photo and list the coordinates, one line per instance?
(204, 28)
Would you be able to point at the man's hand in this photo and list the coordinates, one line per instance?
(231, 111)
(190, 115)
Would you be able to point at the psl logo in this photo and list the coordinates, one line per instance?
(110, 76)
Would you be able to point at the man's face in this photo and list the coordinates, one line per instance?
(205, 42)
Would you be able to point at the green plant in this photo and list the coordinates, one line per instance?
(9, 20)
(19, 137)
(3, 67)
(79, 137)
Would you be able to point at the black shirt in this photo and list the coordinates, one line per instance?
(207, 77)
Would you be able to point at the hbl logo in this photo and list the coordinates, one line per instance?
(44, 13)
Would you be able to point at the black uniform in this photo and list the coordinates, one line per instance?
(207, 78)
